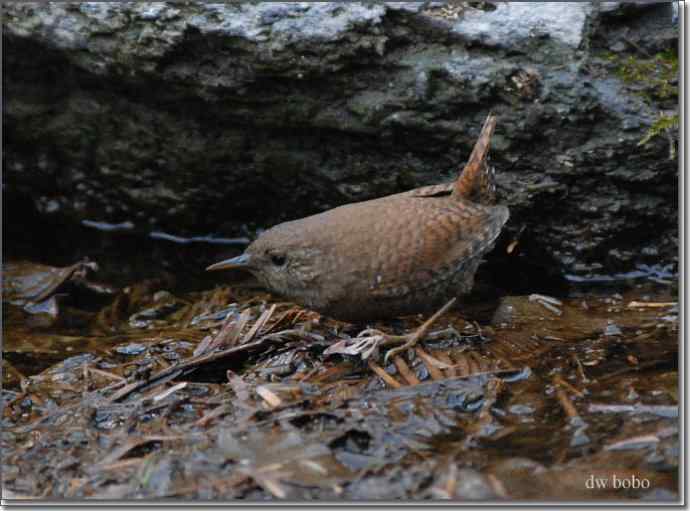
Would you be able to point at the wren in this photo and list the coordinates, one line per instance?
(401, 254)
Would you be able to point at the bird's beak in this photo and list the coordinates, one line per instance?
(239, 262)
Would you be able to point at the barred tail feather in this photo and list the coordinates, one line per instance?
(477, 180)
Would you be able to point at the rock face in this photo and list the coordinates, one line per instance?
(195, 118)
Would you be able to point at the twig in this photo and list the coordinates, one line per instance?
(270, 397)
(450, 368)
(405, 371)
(494, 387)
(560, 381)
(580, 369)
(171, 390)
(106, 374)
(258, 324)
(565, 402)
(651, 305)
(130, 444)
(660, 410)
(192, 363)
(213, 414)
(381, 372)
(635, 442)
(431, 363)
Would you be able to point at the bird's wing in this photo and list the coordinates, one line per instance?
(429, 191)
(445, 237)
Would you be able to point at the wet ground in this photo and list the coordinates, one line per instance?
(146, 392)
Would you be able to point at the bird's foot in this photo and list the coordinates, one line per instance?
(410, 340)
(368, 341)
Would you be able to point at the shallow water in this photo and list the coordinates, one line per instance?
(228, 393)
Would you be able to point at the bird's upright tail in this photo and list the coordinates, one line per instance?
(477, 180)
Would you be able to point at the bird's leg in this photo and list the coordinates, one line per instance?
(409, 340)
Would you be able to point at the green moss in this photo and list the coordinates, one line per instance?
(664, 125)
(655, 78)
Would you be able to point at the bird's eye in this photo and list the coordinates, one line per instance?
(278, 259)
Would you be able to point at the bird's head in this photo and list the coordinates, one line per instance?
(281, 259)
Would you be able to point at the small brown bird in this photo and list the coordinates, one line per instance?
(402, 254)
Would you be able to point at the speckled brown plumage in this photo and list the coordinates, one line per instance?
(401, 254)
